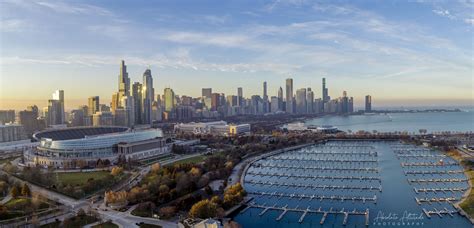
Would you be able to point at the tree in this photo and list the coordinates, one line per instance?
(14, 192)
(203, 209)
(25, 190)
(155, 167)
(116, 171)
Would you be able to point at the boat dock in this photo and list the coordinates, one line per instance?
(435, 200)
(253, 173)
(316, 197)
(443, 190)
(423, 172)
(437, 180)
(317, 186)
(439, 212)
(366, 169)
(304, 212)
(285, 158)
(407, 164)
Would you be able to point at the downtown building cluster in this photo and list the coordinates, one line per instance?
(138, 104)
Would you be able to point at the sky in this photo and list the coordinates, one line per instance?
(400, 52)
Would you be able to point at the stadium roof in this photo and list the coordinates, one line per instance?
(77, 132)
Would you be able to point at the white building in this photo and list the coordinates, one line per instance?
(217, 128)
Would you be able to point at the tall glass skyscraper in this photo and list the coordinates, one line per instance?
(289, 95)
(148, 96)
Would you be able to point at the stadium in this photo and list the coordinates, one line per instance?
(93, 146)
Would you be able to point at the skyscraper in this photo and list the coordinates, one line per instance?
(215, 101)
(368, 103)
(325, 91)
(309, 101)
(137, 101)
(56, 109)
(240, 96)
(266, 106)
(289, 95)
(93, 105)
(124, 81)
(148, 96)
(206, 92)
(170, 101)
(301, 101)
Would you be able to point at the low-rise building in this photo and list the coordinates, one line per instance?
(216, 128)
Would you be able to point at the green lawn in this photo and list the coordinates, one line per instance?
(468, 204)
(196, 159)
(106, 225)
(79, 178)
(13, 202)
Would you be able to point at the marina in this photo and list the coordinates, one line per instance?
(337, 184)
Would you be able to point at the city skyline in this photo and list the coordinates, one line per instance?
(399, 60)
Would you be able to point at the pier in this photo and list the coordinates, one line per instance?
(407, 164)
(366, 169)
(316, 186)
(443, 190)
(253, 173)
(439, 212)
(437, 180)
(419, 201)
(283, 158)
(304, 212)
(423, 172)
(317, 197)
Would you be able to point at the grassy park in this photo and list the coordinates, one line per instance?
(195, 159)
(80, 178)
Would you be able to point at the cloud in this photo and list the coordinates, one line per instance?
(64, 7)
(444, 13)
(469, 21)
(13, 25)
(222, 40)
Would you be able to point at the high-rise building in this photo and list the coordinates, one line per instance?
(102, 119)
(289, 95)
(240, 96)
(368, 103)
(93, 105)
(137, 101)
(170, 101)
(7, 116)
(215, 101)
(124, 81)
(77, 117)
(206, 92)
(266, 104)
(344, 103)
(309, 101)
(56, 109)
(148, 96)
(274, 104)
(29, 119)
(301, 101)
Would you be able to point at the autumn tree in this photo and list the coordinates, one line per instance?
(25, 190)
(116, 171)
(14, 192)
(155, 167)
(203, 209)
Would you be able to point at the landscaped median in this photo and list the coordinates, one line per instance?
(467, 202)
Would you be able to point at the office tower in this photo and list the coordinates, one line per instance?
(56, 109)
(128, 105)
(77, 117)
(309, 101)
(301, 101)
(256, 104)
(169, 98)
(102, 119)
(157, 111)
(274, 104)
(240, 96)
(7, 116)
(289, 95)
(29, 119)
(318, 105)
(115, 103)
(368, 103)
(148, 96)
(325, 92)
(93, 105)
(59, 96)
(206, 92)
(137, 101)
(124, 81)
(186, 101)
(215, 101)
(231, 100)
(344, 103)
(350, 109)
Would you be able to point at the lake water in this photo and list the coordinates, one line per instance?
(410, 122)
(379, 176)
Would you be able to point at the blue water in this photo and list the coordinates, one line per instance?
(397, 196)
(409, 122)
